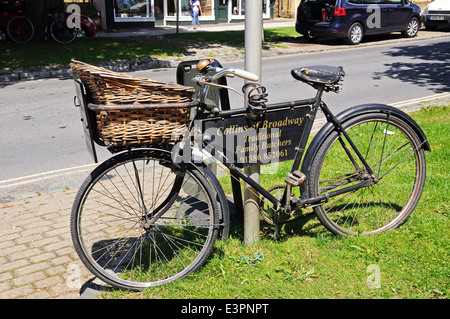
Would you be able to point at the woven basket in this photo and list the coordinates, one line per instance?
(148, 125)
(112, 88)
(134, 111)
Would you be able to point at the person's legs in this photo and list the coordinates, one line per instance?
(195, 21)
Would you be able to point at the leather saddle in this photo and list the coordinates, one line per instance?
(319, 74)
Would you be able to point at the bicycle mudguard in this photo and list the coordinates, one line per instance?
(347, 115)
(221, 198)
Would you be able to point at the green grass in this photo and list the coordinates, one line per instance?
(411, 262)
(96, 49)
(91, 50)
(234, 37)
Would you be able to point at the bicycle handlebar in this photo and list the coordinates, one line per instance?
(205, 81)
(205, 65)
(240, 73)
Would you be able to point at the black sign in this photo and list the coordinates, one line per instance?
(246, 142)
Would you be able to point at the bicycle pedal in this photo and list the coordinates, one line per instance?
(295, 178)
(268, 231)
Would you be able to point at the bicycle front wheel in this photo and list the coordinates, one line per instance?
(20, 29)
(61, 33)
(393, 151)
(139, 221)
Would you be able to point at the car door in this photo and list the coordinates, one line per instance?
(377, 16)
(397, 14)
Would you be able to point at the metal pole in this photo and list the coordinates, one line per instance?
(178, 15)
(253, 54)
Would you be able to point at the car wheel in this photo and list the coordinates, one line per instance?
(309, 37)
(354, 34)
(81, 33)
(412, 28)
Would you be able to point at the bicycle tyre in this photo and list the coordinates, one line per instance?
(122, 247)
(394, 152)
(20, 29)
(61, 33)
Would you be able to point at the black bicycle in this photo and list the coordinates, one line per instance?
(151, 214)
(58, 29)
(20, 29)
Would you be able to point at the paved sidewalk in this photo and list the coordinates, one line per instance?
(37, 258)
(159, 30)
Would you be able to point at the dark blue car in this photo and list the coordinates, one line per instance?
(353, 19)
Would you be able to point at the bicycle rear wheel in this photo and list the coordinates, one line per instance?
(395, 154)
(61, 33)
(20, 29)
(113, 226)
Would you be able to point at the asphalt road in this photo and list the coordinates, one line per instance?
(42, 142)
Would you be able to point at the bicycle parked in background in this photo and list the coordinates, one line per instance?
(14, 24)
(21, 29)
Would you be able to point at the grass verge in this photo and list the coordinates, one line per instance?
(96, 49)
(91, 50)
(411, 262)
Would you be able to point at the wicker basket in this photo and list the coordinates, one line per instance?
(151, 124)
(134, 111)
(112, 88)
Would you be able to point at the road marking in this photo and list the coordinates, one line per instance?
(421, 99)
(46, 175)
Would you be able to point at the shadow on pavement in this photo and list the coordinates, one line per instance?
(423, 65)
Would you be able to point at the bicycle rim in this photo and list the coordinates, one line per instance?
(112, 228)
(393, 151)
(61, 33)
(20, 29)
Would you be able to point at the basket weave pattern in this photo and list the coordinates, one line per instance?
(131, 125)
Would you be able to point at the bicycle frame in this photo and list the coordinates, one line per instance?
(304, 132)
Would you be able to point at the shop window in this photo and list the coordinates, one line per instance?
(185, 10)
(133, 8)
(238, 8)
(170, 12)
(207, 7)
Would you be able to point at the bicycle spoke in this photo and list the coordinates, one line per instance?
(393, 155)
(126, 247)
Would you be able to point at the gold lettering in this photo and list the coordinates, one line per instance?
(286, 122)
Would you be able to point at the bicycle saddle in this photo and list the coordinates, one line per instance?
(320, 74)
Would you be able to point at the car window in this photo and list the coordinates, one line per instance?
(330, 2)
(374, 1)
(397, 2)
(366, 1)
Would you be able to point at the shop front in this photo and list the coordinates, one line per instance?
(117, 14)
